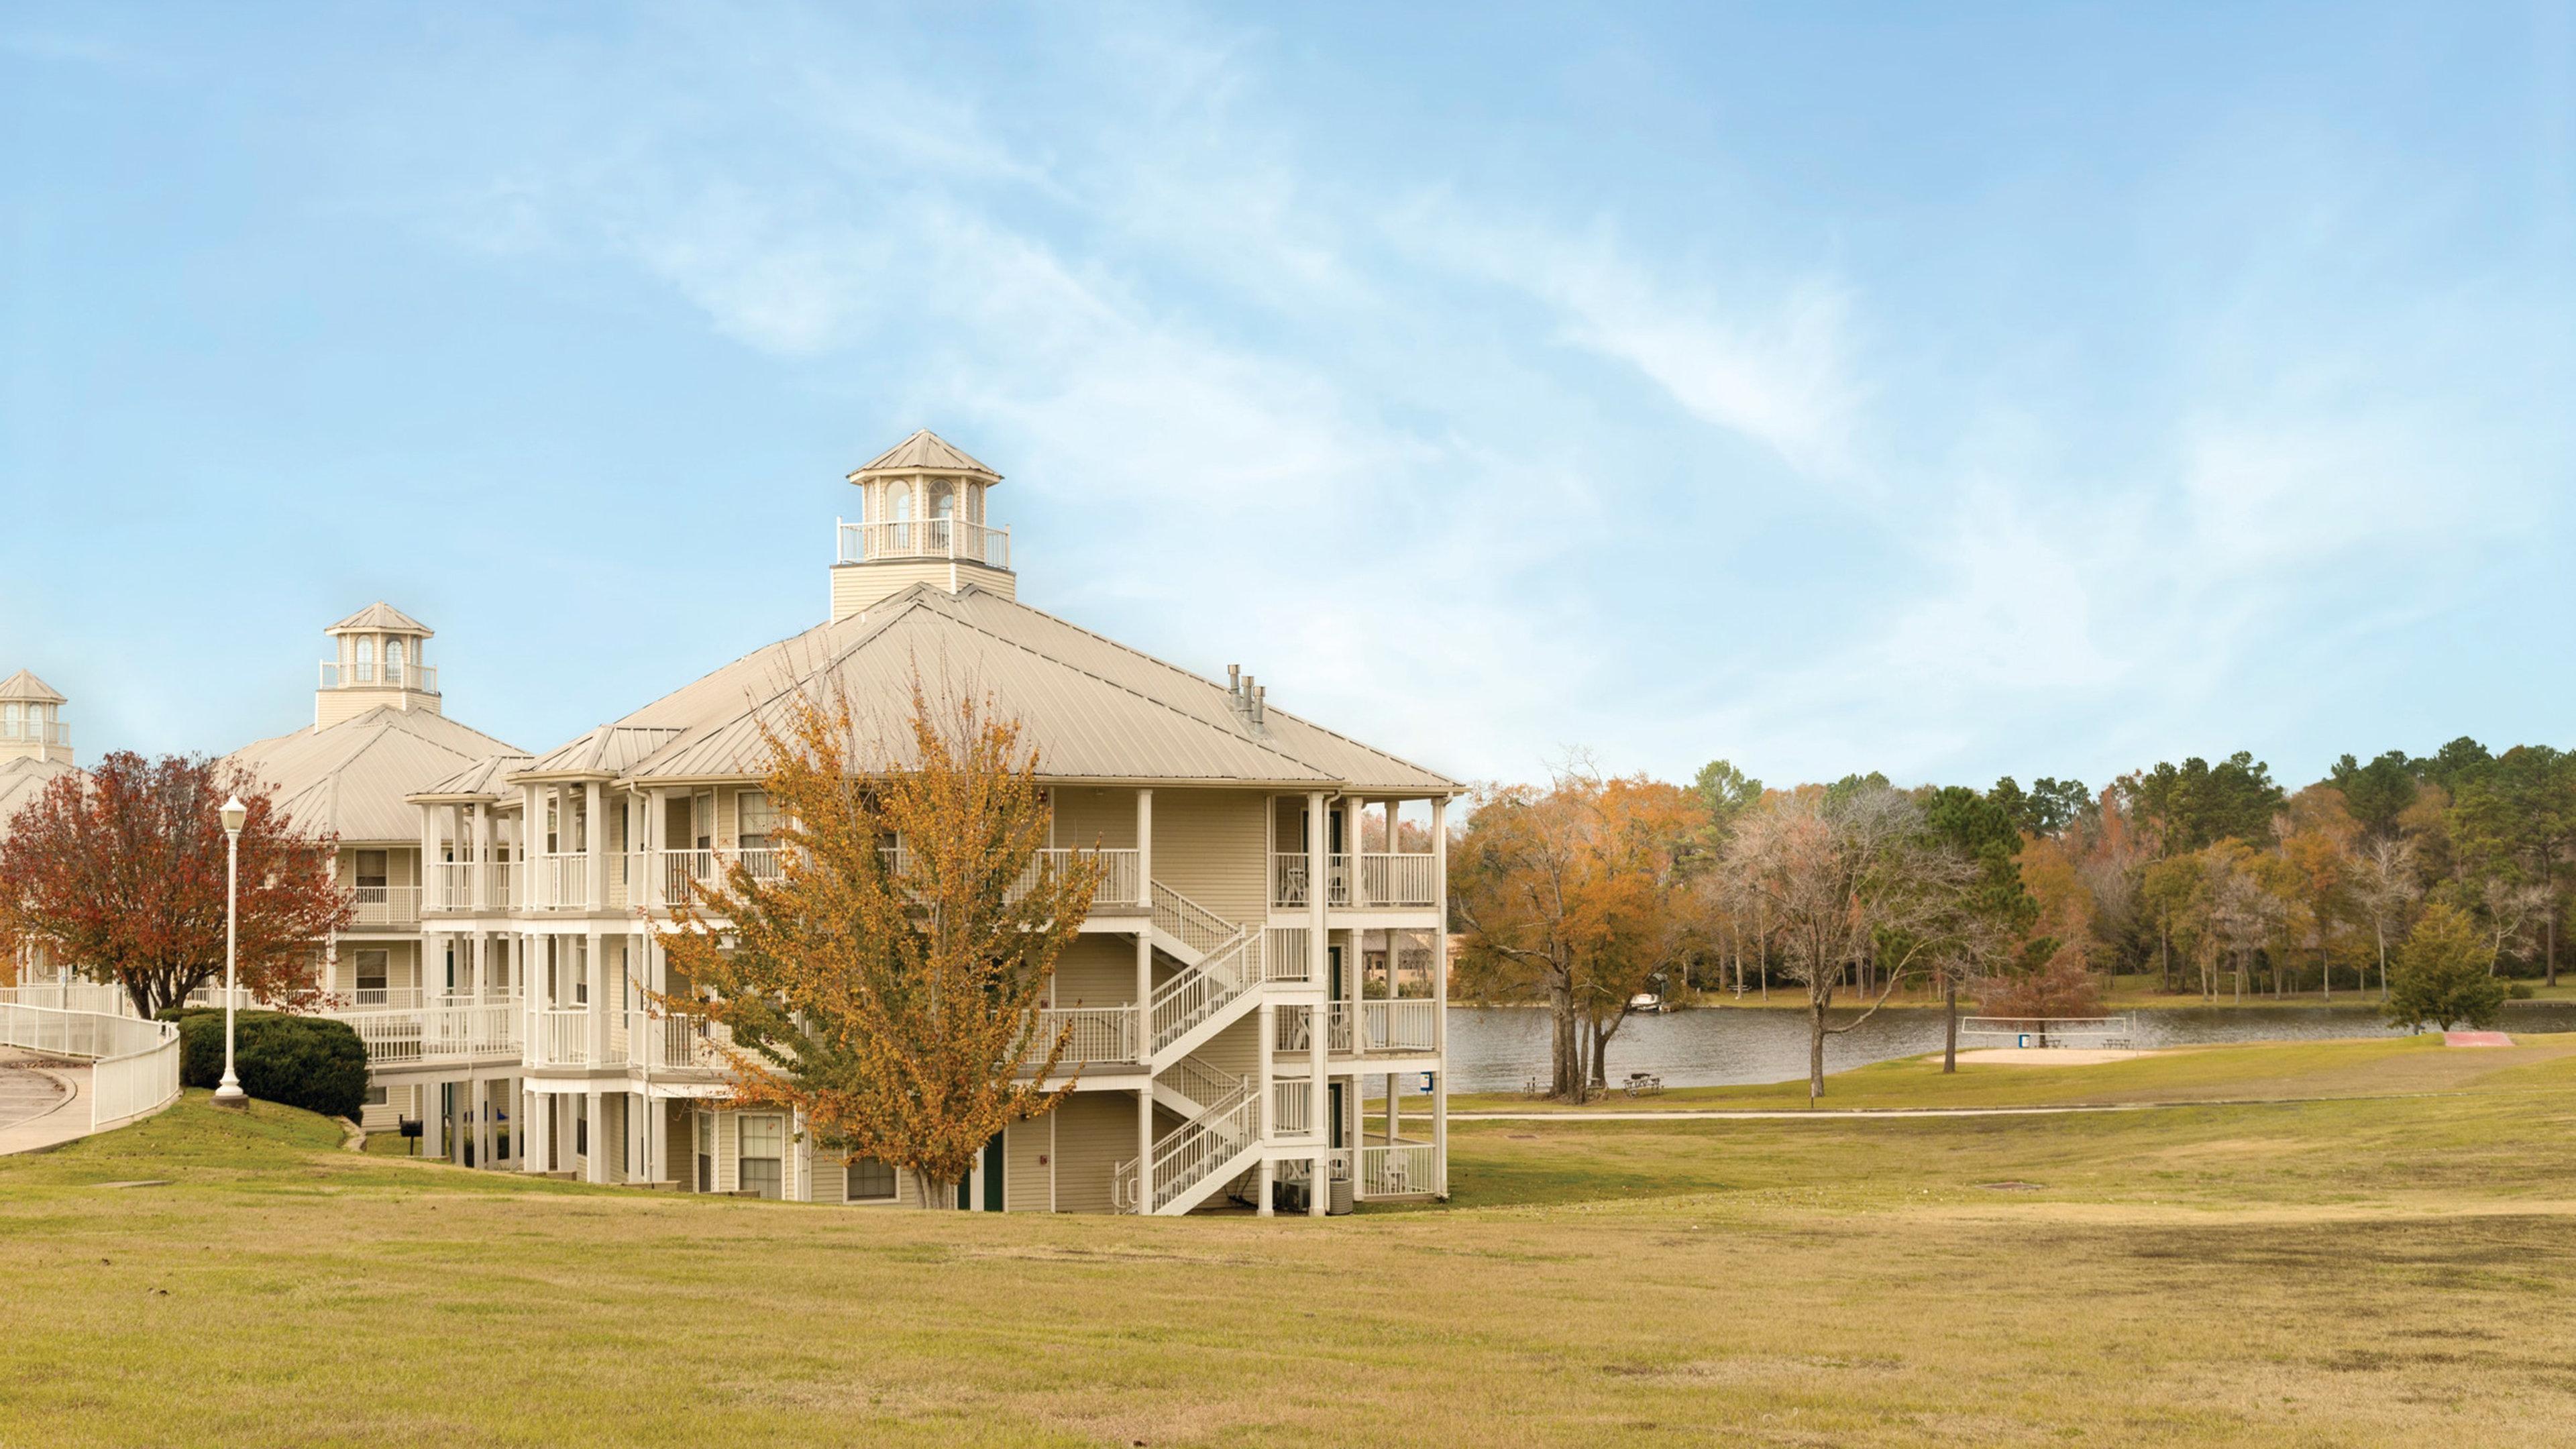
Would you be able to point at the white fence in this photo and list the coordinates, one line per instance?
(1404, 1169)
(1096, 1033)
(137, 1067)
(2050, 1031)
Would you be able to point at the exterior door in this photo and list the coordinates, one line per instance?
(992, 1164)
(1335, 1101)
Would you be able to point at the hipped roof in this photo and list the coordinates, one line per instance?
(924, 452)
(24, 685)
(1093, 709)
(380, 618)
(356, 778)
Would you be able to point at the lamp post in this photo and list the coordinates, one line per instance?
(228, 1092)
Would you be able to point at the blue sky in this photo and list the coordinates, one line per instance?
(1955, 391)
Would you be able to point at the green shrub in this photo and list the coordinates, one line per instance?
(2519, 991)
(301, 1061)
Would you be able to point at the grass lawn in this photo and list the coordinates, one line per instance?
(2344, 1272)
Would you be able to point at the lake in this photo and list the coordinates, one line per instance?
(1499, 1048)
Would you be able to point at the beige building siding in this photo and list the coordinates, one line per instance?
(1088, 817)
(1210, 845)
(1097, 970)
(856, 586)
(1028, 1150)
(1094, 1132)
(1236, 1049)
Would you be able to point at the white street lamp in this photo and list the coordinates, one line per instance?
(228, 1092)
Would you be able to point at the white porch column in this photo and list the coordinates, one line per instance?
(595, 844)
(657, 1140)
(1145, 1147)
(1355, 816)
(594, 975)
(478, 882)
(1262, 1192)
(657, 824)
(1320, 1185)
(1316, 866)
(1145, 849)
(433, 1125)
(429, 834)
(1145, 998)
(485, 1095)
(595, 1161)
(1440, 1129)
(532, 1130)
(1440, 941)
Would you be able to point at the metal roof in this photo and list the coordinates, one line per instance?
(380, 618)
(924, 452)
(607, 752)
(356, 778)
(22, 780)
(485, 779)
(1093, 709)
(25, 685)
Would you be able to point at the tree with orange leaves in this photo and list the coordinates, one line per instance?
(121, 872)
(885, 983)
(1578, 892)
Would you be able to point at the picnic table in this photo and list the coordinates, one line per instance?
(1645, 1084)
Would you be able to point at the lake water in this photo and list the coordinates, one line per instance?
(1499, 1048)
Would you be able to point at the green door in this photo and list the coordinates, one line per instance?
(992, 1180)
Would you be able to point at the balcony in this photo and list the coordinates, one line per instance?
(559, 881)
(1099, 1034)
(1386, 879)
(422, 678)
(386, 907)
(687, 875)
(423, 1035)
(36, 731)
(1401, 1168)
(933, 538)
(563, 1037)
(680, 1043)
(1399, 1026)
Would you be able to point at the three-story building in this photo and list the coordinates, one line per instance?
(1255, 1002)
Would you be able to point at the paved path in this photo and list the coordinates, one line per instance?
(1813, 1114)
(41, 1105)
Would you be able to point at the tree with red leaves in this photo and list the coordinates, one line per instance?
(121, 871)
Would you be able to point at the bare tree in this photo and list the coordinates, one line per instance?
(2511, 908)
(2385, 886)
(1844, 877)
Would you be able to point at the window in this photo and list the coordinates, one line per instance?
(764, 1146)
(868, 1180)
(393, 661)
(375, 1096)
(9, 718)
(581, 1126)
(366, 660)
(752, 812)
(371, 978)
(371, 877)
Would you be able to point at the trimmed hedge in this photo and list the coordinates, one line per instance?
(301, 1061)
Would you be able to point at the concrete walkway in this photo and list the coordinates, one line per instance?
(1827, 1114)
(44, 1101)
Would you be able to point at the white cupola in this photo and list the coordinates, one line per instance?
(31, 721)
(921, 520)
(382, 660)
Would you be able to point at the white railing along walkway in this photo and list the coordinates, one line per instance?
(2043, 1031)
(1185, 1156)
(136, 1062)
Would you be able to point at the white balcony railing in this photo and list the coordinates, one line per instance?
(1399, 1169)
(43, 732)
(947, 538)
(451, 886)
(368, 675)
(1118, 873)
(446, 1032)
(1292, 1108)
(386, 905)
(681, 1043)
(561, 881)
(563, 1036)
(1099, 1033)
(1284, 957)
(1400, 879)
(1399, 1026)
(1288, 886)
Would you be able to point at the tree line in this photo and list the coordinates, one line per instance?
(1588, 892)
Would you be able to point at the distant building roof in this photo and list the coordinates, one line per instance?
(380, 618)
(22, 780)
(355, 778)
(1092, 708)
(24, 685)
(924, 452)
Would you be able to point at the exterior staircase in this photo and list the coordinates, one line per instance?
(1220, 967)
(1220, 1131)
(1219, 1139)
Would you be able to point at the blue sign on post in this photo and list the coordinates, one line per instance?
(1425, 1089)
(2025, 1040)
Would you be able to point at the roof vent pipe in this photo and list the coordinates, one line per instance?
(1260, 701)
(1234, 679)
